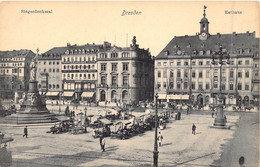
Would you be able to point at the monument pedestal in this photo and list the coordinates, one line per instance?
(33, 110)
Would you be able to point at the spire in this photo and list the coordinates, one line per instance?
(204, 14)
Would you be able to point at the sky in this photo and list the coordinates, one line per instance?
(94, 22)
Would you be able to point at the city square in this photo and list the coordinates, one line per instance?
(157, 100)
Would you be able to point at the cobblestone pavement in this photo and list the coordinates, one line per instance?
(180, 147)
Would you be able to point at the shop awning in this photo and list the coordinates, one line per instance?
(178, 97)
(161, 96)
(68, 94)
(52, 93)
(87, 94)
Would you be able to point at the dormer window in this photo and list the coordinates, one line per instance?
(201, 52)
(67, 52)
(175, 46)
(179, 52)
(240, 51)
(194, 52)
(167, 53)
(208, 52)
(83, 51)
(248, 50)
(79, 51)
(71, 51)
(76, 52)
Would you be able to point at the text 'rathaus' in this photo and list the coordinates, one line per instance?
(186, 71)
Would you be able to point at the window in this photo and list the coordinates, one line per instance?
(114, 55)
(200, 63)
(93, 76)
(207, 74)
(178, 63)
(231, 62)
(103, 67)
(247, 62)
(171, 63)
(114, 67)
(178, 86)
(53, 64)
(159, 85)
(44, 70)
(49, 69)
(193, 86)
(247, 74)
(164, 85)
(125, 80)
(89, 76)
(185, 74)
(215, 85)
(171, 74)
(239, 86)
(239, 74)
(240, 62)
(125, 66)
(178, 74)
(53, 70)
(159, 74)
(200, 74)
(159, 63)
(246, 86)
(185, 85)
(200, 86)
(114, 80)
(223, 86)
(64, 67)
(72, 76)
(171, 85)
(53, 86)
(231, 86)
(186, 63)
(193, 74)
(207, 86)
(193, 63)
(85, 76)
(49, 86)
(207, 62)
(164, 63)
(103, 80)
(165, 74)
(49, 62)
(231, 74)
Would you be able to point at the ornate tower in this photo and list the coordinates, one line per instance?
(204, 26)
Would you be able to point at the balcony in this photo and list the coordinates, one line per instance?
(125, 86)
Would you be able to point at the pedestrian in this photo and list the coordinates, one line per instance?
(103, 142)
(25, 131)
(159, 138)
(193, 129)
(212, 114)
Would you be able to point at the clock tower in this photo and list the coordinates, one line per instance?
(204, 27)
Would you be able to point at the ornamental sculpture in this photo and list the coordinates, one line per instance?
(33, 69)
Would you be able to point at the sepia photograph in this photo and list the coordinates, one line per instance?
(129, 83)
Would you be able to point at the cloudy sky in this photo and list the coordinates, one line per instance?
(95, 22)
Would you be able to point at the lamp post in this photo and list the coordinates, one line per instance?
(85, 110)
(220, 57)
(155, 152)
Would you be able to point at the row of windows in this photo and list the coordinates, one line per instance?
(50, 70)
(81, 51)
(170, 85)
(114, 80)
(179, 72)
(114, 55)
(10, 59)
(51, 86)
(79, 76)
(78, 67)
(50, 63)
(113, 67)
(79, 59)
(200, 63)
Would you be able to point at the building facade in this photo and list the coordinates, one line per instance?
(184, 71)
(79, 72)
(125, 75)
(14, 73)
(49, 73)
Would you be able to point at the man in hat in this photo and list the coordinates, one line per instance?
(25, 132)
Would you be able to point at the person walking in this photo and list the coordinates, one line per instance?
(160, 137)
(193, 129)
(25, 131)
(103, 142)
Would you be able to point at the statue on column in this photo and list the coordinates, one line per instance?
(33, 68)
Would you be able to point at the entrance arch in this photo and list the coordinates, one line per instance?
(246, 101)
(200, 99)
(102, 95)
(113, 95)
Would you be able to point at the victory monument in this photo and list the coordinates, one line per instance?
(33, 106)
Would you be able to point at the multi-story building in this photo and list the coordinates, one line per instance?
(79, 71)
(125, 74)
(49, 72)
(184, 71)
(14, 73)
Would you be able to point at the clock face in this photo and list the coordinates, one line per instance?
(203, 34)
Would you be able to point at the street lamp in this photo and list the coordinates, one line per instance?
(85, 110)
(220, 57)
(155, 152)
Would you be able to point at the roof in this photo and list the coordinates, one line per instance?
(62, 50)
(185, 45)
(15, 53)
